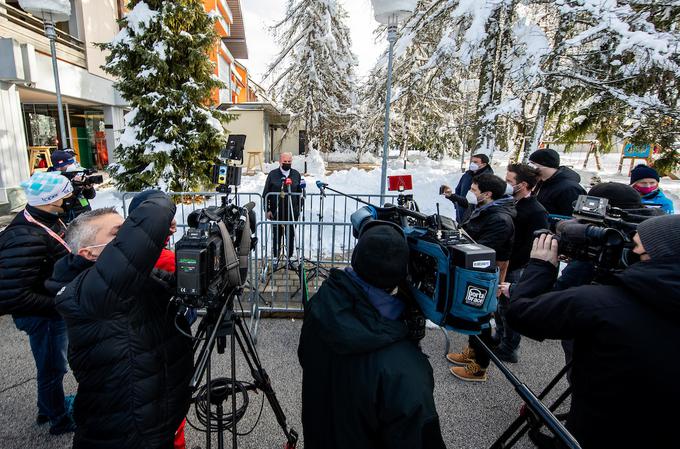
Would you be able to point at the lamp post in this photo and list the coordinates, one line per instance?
(390, 13)
(52, 12)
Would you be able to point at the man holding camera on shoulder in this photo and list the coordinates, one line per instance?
(366, 384)
(625, 333)
(63, 162)
(132, 364)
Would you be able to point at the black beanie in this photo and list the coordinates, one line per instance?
(619, 195)
(381, 256)
(546, 157)
(643, 172)
(661, 236)
(140, 198)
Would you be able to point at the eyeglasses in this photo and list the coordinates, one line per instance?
(96, 246)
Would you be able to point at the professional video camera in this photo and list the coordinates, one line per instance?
(88, 177)
(599, 233)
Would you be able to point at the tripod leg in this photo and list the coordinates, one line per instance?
(263, 382)
(234, 432)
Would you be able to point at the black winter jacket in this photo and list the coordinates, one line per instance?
(493, 226)
(132, 365)
(365, 385)
(278, 206)
(531, 217)
(558, 193)
(625, 364)
(27, 256)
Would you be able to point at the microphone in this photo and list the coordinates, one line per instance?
(289, 182)
(303, 184)
(321, 185)
(283, 183)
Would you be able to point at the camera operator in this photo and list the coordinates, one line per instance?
(360, 355)
(131, 362)
(278, 205)
(625, 334)
(559, 187)
(64, 162)
(29, 248)
(531, 217)
(490, 224)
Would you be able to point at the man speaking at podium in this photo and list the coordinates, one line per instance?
(281, 183)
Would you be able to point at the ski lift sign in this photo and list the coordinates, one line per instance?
(631, 151)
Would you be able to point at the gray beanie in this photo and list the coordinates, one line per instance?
(661, 236)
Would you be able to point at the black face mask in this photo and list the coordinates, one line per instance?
(69, 203)
(285, 167)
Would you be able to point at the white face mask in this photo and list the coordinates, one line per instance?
(473, 167)
(472, 199)
(509, 189)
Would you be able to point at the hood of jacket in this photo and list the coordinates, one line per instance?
(562, 174)
(505, 205)
(656, 283)
(66, 270)
(347, 321)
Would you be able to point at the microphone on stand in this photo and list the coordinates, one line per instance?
(288, 183)
(283, 183)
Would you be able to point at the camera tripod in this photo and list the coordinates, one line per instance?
(216, 326)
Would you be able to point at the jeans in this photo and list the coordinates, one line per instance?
(509, 339)
(49, 341)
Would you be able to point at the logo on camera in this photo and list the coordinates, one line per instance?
(475, 296)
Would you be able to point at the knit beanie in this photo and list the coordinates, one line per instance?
(140, 198)
(546, 157)
(619, 195)
(62, 159)
(643, 172)
(381, 256)
(46, 187)
(661, 236)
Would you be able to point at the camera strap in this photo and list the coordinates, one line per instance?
(51, 233)
(230, 257)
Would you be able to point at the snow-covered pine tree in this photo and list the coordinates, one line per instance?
(160, 58)
(313, 74)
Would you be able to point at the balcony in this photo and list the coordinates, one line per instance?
(27, 29)
(227, 10)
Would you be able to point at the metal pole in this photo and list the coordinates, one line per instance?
(51, 34)
(391, 38)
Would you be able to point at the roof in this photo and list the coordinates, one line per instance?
(236, 42)
(275, 116)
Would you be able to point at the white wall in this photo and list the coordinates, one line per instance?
(249, 123)
(98, 18)
(13, 150)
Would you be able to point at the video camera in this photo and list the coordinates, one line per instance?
(212, 256)
(88, 177)
(598, 233)
(453, 279)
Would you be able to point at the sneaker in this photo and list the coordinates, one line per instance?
(42, 419)
(462, 358)
(505, 354)
(471, 372)
(65, 424)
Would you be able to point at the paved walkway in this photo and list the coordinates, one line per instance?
(472, 415)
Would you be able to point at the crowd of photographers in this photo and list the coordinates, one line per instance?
(103, 286)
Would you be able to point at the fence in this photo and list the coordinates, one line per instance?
(322, 236)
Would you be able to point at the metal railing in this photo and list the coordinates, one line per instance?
(32, 23)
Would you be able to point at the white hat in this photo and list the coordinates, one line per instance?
(46, 187)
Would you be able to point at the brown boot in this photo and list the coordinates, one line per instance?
(462, 358)
(471, 372)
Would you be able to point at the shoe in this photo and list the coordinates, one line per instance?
(471, 372)
(42, 419)
(462, 358)
(65, 424)
(505, 354)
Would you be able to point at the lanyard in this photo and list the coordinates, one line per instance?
(53, 234)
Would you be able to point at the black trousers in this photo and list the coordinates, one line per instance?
(481, 356)
(279, 233)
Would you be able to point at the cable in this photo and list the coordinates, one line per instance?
(209, 419)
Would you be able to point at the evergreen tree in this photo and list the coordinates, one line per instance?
(313, 75)
(160, 58)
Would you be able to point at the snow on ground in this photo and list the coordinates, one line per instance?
(428, 176)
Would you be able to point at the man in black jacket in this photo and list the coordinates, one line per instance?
(479, 165)
(29, 248)
(531, 217)
(490, 224)
(133, 366)
(559, 187)
(365, 382)
(280, 205)
(63, 162)
(625, 334)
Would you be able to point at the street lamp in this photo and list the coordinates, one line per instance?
(51, 12)
(390, 13)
